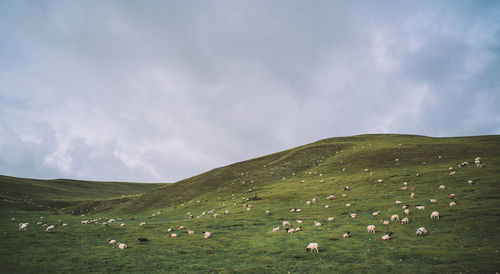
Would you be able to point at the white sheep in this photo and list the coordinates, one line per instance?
(290, 230)
(216, 215)
(407, 212)
(326, 206)
(172, 235)
(375, 213)
(268, 212)
(442, 187)
(122, 224)
(353, 215)
(420, 207)
(331, 219)
(347, 205)
(112, 242)
(385, 222)
(170, 229)
(371, 229)
(317, 223)
(435, 215)
(347, 235)
(299, 221)
(308, 203)
(421, 231)
(51, 228)
(398, 202)
(207, 234)
(380, 181)
(433, 200)
(469, 182)
(190, 232)
(394, 217)
(121, 245)
(276, 229)
(453, 203)
(285, 223)
(412, 195)
(312, 247)
(23, 226)
(104, 224)
(386, 236)
(314, 200)
(405, 221)
(142, 224)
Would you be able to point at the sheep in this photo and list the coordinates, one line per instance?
(104, 224)
(469, 182)
(60, 222)
(314, 200)
(142, 224)
(39, 223)
(299, 221)
(385, 222)
(396, 160)
(398, 202)
(190, 232)
(347, 205)
(453, 173)
(216, 215)
(433, 200)
(353, 215)
(442, 187)
(380, 181)
(435, 215)
(122, 224)
(420, 207)
(13, 219)
(387, 236)
(331, 219)
(317, 223)
(375, 213)
(172, 235)
(406, 212)
(298, 210)
(276, 229)
(394, 217)
(371, 229)
(111, 221)
(227, 212)
(451, 169)
(312, 247)
(292, 210)
(207, 234)
(346, 188)
(331, 197)
(285, 223)
(454, 203)
(326, 206)
(85, 222)
(298, 229)
(51, 228)
(290, 230)
(180, 227)
(268, 212)
(347, 235)
(451, 195)
(112, 242)
(405, 221)
(421, 231)
(121, 245)
(170, 229)
(308, 203)
(23, 226)
(344, 195)
(190, 216)
(412, 195)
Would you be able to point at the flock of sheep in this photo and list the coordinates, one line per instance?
(420, 231)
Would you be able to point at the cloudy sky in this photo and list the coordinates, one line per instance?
(163, 90)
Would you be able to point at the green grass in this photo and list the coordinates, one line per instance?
(465, 239)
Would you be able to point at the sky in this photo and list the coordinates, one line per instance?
(158, 91)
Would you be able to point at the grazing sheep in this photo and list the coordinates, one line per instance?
(387, 236)
(469, 182)
(227, 212)
(353, 215)
(51, 228)
(299, 221)
(396, 160)
(104, 224)
(190, 232)
(347, 205)
(346, 188)
(375, 213)
(380, 181)
(453, 173)
(112, 242)
(85, 222)
(312, 247)
(421, 231)
(433, 200)
(298, 210)
(371, 229)
(216, 215)
(308, 203)
(385, 222)
(172, 235)
(394, 217)
(420, 207)
(39, 223)
(285, 223)
(407, 212)
(435, 215)
(276, 229)
(142, 224)
(111, 221)
(331, 197)
(454, 203)
(207, 234)
(317, 223)
(121, 245)
(298, 229)
(290, 230)
(405, 221)
(23, 226)
(451, 195)
(347, 235)
(180, 227)
(331, 219)
(344, 195)
(451, 169)
(268, 212)
(13, 219)
(170, 229)
(398, 202)
(314, 200)
(122, 224)
(442, 187)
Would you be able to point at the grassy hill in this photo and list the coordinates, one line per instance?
(465, 239)
(31, 194)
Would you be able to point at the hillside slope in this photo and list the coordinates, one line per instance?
(34, 194)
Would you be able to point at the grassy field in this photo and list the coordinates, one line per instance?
(465, 239)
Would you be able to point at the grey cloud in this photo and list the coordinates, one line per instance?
(162, 90)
